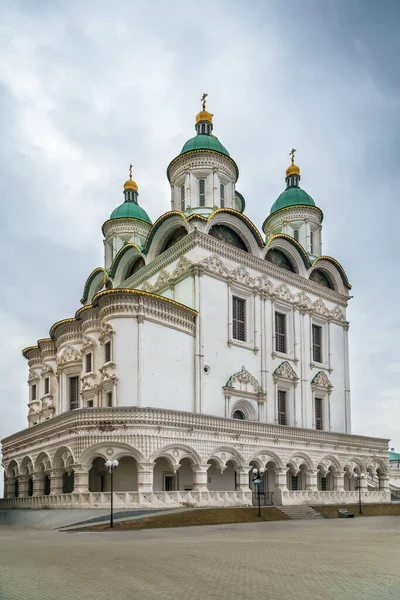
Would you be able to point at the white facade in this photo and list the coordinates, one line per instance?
(200, 351)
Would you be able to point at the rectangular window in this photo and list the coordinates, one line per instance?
(47, 385)
(239, 318)
(73, 392)
(317, 343)
(282, 416)
(182, 198)
(202, 195)
(107, 352)
(90, 403)
(34, 392)
(318, 414)
(222, 195)
(311, 242)
(89, 362)
(295, 483)
(323, 484)
(280, 332)
(109, 399)
(296, 234)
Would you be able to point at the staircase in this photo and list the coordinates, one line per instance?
(302, 511)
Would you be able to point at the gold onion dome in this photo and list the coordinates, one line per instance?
(130, 184)
(292, 169)
(204, 115)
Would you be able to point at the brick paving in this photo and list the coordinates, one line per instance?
(307, 560)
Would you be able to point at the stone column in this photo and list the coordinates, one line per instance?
(200, 478)
(23, 486)
(338, 481)
(363, 483)
(81, 478)
(311, 480)
(9, 487)
(38, 484)
(384, 482)
(242, 480)
(145, 476)
(56, 481)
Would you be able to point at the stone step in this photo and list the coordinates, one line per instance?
(301, 512)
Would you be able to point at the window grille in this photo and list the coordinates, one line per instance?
(182, 198)
(109, 399)
(282, 415)
(323, 484)
(280, 332)
(47, 385)
(34, 392)
(73, 392)
(317, 343)
(311, 242)
(295, 483)
(89, 362)
(239, 318)
(203, 128)
(318, 414)
(296, 234)
(222, 195)
(90, 403)
(202, 192)
(107, 352)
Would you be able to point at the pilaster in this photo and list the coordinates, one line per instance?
(200, 477)
(145, 476)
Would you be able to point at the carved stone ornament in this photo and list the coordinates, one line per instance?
(162, 280)
(321, 381)
(283, 293)
(337, 314)
(320, 308)
(106, 332)
(106, 375)
(33, 376)
(182, 267)
(215, 265)
(88, 342)
(303, 302)
(69, 355)
(242, 379)
(241, 275)
(285, 371)
(46, 370)
(264, 285)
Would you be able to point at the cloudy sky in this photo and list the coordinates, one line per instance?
(87, 87)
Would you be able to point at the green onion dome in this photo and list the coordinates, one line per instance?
(292, 196)
(204, 142)
(130, 210)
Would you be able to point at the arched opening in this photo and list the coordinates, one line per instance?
(30, 486)
(325, 479)
(68, 482)
(185, 475)
(174, 238)
(319, 277)
(164, 479)
(135, 267)
(278, 258)
(296, 479)
(125, 475)
(227, 235)
(46, 485)
(99, 477)
(239, 414)
(16, 488)
(350, 479)
(221, 480)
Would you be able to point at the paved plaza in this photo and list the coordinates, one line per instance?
(306, 560)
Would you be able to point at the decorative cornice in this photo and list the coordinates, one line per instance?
(202, 158)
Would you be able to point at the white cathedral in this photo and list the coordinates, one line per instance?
(203, 349)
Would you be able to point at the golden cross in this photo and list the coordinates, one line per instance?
(130, 171)
(291, 153)
(203, 99)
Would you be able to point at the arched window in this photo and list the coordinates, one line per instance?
(319, 277)
(222, 194)
(203, 128)
(238, 414)
(135, 266)
(277, 257)
(182, 198)
(202, 195)
(227, 235)
(208, 129)
(175, 237)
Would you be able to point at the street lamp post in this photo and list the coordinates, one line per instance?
(111, 466)
(359, 477)
(257, 478)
